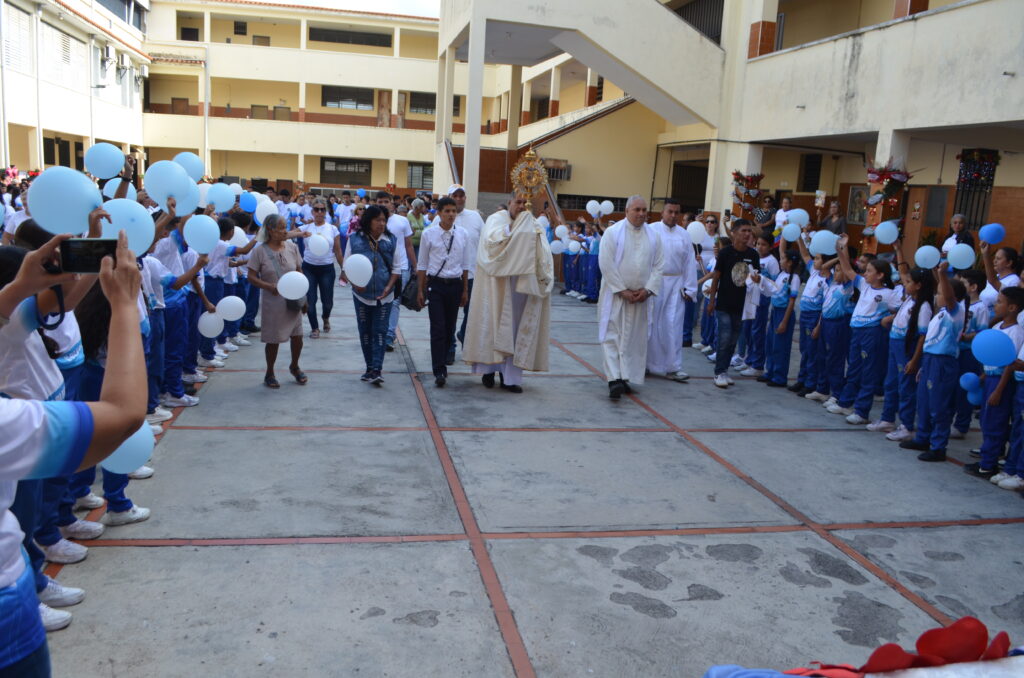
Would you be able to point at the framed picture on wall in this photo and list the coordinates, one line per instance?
(857, 205)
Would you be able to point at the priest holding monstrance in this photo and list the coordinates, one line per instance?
(508, 326)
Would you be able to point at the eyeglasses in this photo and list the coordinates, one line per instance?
(710, 221)
(319, 209)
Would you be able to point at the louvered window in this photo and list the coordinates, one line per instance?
(17, 39)
(66, 62)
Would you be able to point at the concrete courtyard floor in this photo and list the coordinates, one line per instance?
(338, 529)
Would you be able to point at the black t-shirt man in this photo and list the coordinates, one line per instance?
(735, 265)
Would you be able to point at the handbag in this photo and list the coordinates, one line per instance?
(290, 304)
(410, 295)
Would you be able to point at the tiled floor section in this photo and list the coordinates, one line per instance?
(342, 529)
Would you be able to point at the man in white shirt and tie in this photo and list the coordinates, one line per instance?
(443, 282)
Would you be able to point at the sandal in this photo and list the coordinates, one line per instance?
(299, 375)
(271, 382)
(315, 334)
(327, 325)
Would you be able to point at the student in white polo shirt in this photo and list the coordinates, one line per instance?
(399, 227)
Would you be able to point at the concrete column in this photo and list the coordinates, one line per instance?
(892, 145)
(762, 29)
(300, 174)
(516, 102)
(206, 27)
(397, 42)
(556, 91)
(725, 157)
(503, 117)
(449, 91)
(303, 33)
(471, 157)
(302, 101)
(495, 114)
(902, 8)
(394, 108)
(592, 76)
(527, 94)
(392, 171)
(442, 108)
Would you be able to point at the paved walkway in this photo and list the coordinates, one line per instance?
(338, 529)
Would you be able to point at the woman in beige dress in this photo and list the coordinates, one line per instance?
(275, 256)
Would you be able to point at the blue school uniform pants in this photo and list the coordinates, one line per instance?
(1014, 464)
(252, 305)
(995, 420)
(175, 338)
(780, 346)
(708, 324)
(193, 309)
(155, 358)
(689, 320)
(880, 374)
(808, 374)
(964, 408)
(214, 288)
(900, 388)
(936, 395)
(757, 348)
(835, 335)
(236, 290)
(862, 368)
(592, 288)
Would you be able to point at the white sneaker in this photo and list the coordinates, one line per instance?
(722, 381)
(53, 620)
(229, 347)
(752, 372)
(729, 379)
(998, 478)
(816, 396)
(82, 529)
(698, 346)
(64, 552)
(219, 353)
(184, 401)
(712, 357)
(241, 341)
(157, 429)
(736, 361)
(882, 426)
(1012, 483)
(831, 401)
(899, 435)
(837, 409)
(203, 362)
(707, 349)
(159, 414)
(135, 514)
(196, 378)
(55, 595)
(88, 502)
(855, 419)
(679, 376)
(141, 473)
(955, 434)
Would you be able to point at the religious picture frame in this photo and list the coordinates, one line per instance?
(857, 205)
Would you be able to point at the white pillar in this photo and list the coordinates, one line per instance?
(556, 91)
(892, 145)
(398, 41)
(441, 106)
(207, 37)
(301, 175)
(725, 157)
(392, 171)
(449, 91)
(40, 157)
(303, 33)
(516, 101)
(471, 157)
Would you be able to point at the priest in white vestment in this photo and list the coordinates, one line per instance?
(509, 318)
(678, 285)
(631, 265)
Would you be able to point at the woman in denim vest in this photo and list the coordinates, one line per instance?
(373, 302)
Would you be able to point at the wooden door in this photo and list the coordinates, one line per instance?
(384, 108)
(179, 106)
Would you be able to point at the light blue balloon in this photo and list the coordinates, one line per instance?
(798, 216)
(790, 232)
(202, 233)
(192, 164)
(927, 256)
(993, 234)
(110, 189)
(992, 347)
(221, 196)
(961, 255)
(132, 218)
(61, 199)
(887, 232)
(189, 203)
(247, 201)
(361, 192)
(824, 243)
(104, 160)
(133, 453)
(969, 381)
(166, 179)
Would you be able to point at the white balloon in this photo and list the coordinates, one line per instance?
(318, 245)
(607, 207)
(561, 231)
(574, 246)
(293, 285)
(210, 325)
(557, 247)
(203, 188)
(263, 197)
(263, 210)
(593, 208)
(238, 239)
(358, 270)
(696, 232)
(237, 189)
(231, 308)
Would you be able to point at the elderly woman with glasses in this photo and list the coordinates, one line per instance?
(319, 268)
(373, 301)
(281, 319)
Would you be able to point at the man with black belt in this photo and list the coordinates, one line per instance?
(442, 272)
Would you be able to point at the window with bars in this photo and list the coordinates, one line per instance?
(600, 88)
(353, 98)
(579, 202)
(420, 175)
(705, 16)
(424, 103)
(345, 171)
(128, 11)
(17, 45)
(241, 28)
(349, 37)
(67, 62)
(810, 173)
(456, 106)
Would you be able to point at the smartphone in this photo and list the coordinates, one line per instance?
(728, 213)
(700, 211)
(83, 255)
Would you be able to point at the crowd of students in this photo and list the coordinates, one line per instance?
(877, 328)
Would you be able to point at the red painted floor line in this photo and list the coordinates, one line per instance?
(557, 430)
(923, 523)
(606, 534)
(277, 541)
(301, 428)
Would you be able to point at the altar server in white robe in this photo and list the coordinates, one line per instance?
(631, 265)
(678, 285)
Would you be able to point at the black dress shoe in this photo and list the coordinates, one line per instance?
(488, 380)
(804, 391)
(440, 382)
(450, 360)
(774, 384)
(914, 445)
(932, 455)
(513, 388)
(978, 472)
(762, 378)
(616, 389)
(796, 387)
(687, 344)
(626, 385)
